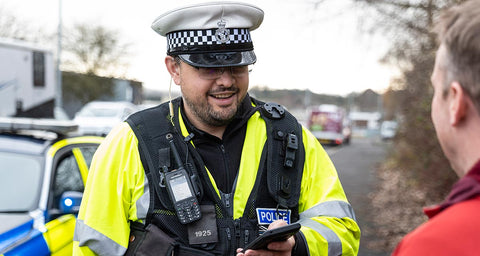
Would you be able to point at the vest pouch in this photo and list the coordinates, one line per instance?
(149, 241)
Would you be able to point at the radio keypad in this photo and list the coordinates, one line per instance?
(188, 211)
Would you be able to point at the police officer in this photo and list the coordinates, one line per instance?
(208, 172)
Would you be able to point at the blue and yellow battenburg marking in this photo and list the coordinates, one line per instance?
(31, 242)
(59, 235)
(56, 240)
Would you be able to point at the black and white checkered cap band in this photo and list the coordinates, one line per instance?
(201, 41)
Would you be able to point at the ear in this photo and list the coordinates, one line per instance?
(173, 68)
(458, 103)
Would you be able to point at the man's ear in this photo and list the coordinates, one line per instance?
(458, 103)
(173, 68)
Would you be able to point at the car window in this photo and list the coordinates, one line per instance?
(20, 183)
(88, 152)
(67, 177)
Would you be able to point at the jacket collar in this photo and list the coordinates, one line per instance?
(464, 189)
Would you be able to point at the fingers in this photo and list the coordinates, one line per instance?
(282, 246)
(278, 248)
(277, 223)
(274, 248)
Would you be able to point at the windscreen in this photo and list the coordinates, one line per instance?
(20, 182)
(100, 111)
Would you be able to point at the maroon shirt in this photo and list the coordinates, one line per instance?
(466, 188)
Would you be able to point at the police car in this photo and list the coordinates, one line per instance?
(42, 175)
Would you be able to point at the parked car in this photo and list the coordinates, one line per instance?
(388, 129)
(99, 117)
(42, 175)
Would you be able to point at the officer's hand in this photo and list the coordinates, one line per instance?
(280, 248)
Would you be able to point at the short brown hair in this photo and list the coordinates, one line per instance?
(459, 31)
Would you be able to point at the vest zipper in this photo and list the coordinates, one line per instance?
(226, 197)
(227, 201)
(229, 242)
(237, 230)
(229, 235)
(247, 236)
(227, 172)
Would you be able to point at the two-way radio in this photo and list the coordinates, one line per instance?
(181, 191)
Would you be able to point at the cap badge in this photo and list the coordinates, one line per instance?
(222, 34)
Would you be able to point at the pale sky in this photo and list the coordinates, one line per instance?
(298, 46)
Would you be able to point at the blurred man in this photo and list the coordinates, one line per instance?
(208, 172)
(453, 227)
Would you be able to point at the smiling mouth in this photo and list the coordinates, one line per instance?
(222, 96)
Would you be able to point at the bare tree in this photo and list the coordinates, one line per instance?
(95, 50)
(417, 154)
(12, 27)
(408, 25)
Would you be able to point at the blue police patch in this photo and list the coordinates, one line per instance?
(265, 216)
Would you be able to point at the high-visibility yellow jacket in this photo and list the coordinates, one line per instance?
(117, 193)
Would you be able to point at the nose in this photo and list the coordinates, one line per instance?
(226, 79)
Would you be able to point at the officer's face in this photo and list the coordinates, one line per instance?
(211, 102)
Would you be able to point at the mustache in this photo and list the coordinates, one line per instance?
(232, 89)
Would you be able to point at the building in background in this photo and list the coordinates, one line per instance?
(28, 84)
(27, 79)
(365, 123)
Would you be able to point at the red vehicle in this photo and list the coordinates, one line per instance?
(329, 124)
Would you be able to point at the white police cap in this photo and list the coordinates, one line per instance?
(213, 34)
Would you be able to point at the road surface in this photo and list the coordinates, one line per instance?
(356, 164)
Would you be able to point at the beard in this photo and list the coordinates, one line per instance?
(207, 114)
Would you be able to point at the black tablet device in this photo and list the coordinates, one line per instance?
(278, 234)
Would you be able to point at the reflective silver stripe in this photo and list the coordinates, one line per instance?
(96, 241)
(143, 202)
(334, 242)
(338, 209)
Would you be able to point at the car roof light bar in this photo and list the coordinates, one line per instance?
(14, 124)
